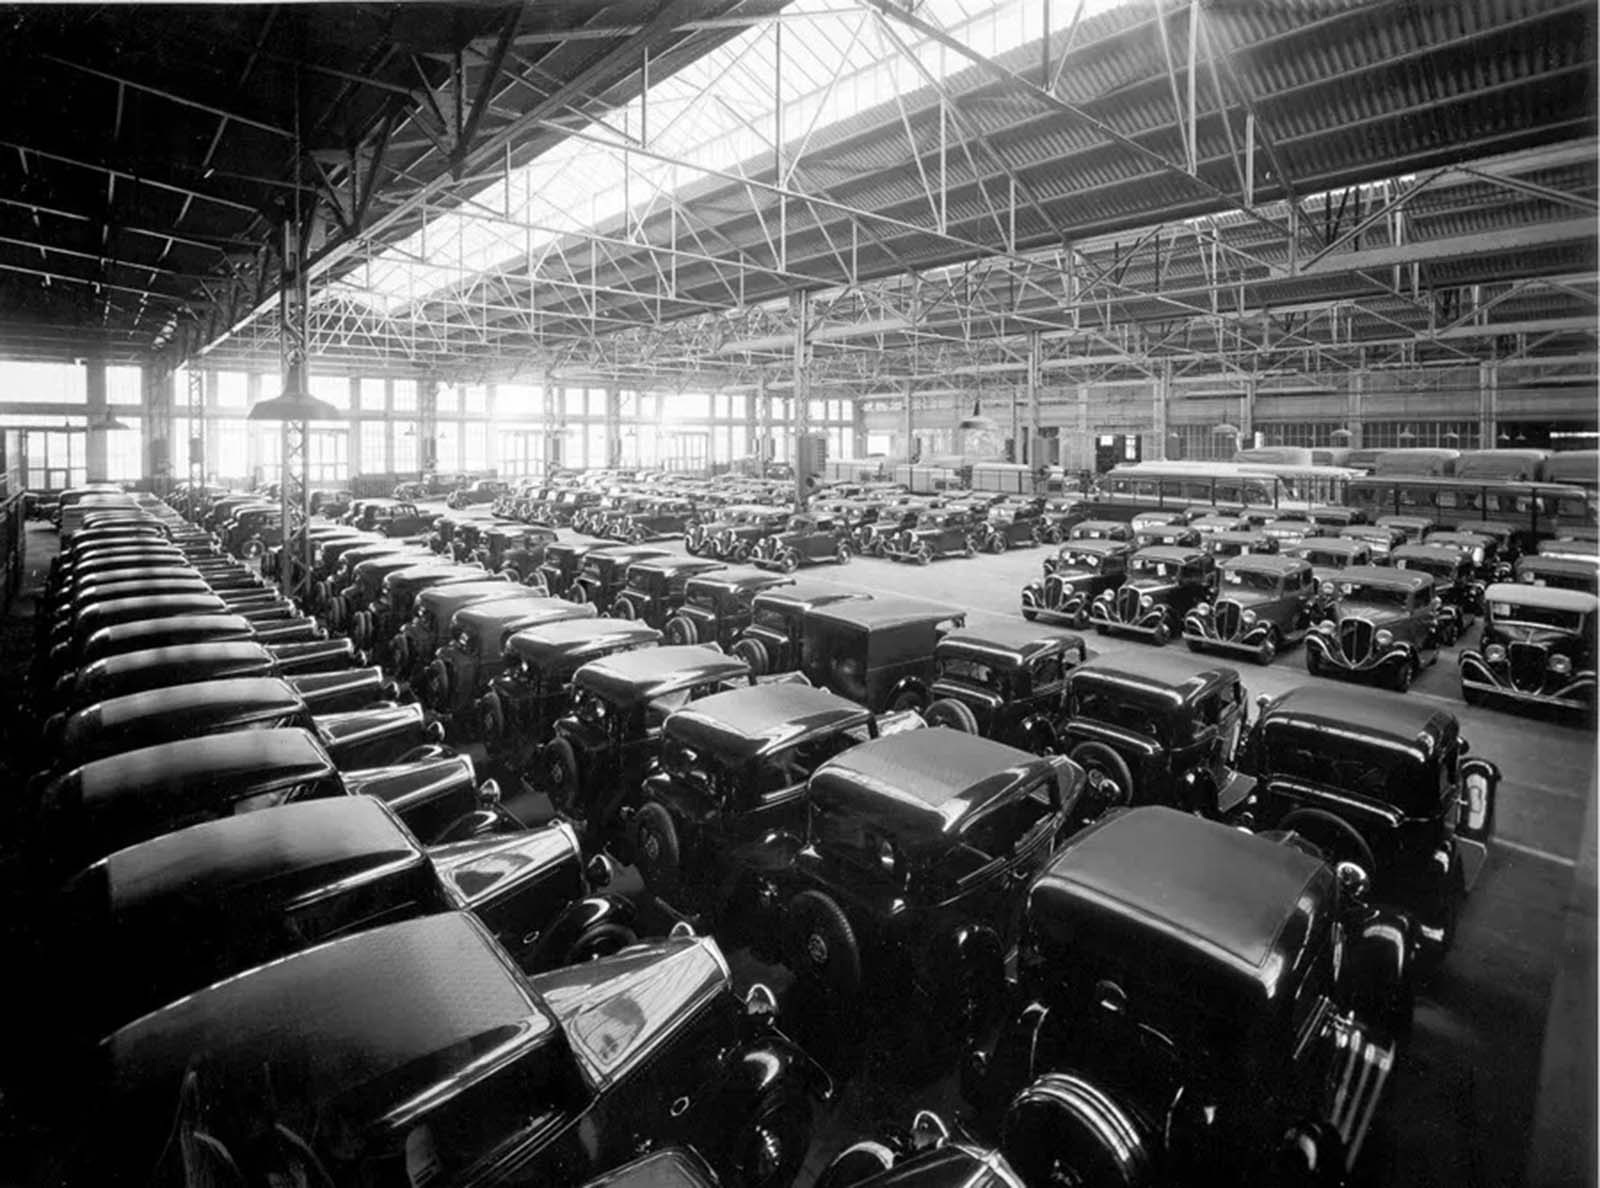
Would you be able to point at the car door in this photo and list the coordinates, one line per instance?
(1002, 850)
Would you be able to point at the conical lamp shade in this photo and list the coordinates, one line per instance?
(1341, 434)
(294, 406)
(106, 422)
(1225, 430)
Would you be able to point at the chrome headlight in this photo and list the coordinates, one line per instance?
(1325, 627)
(1146, 602)
(1203, 609)
(1248, 617)
(1384, 638)
(1327, 589)
(1561, 665)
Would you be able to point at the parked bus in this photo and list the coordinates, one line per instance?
(1581, 468)
(922, 479)
(1420, 461)
(1362, 460)
(1141, 486)
(1009, 477)
(1274, 455)
(1536, 510)
(1520, 466)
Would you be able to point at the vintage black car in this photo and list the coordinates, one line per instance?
(366, 585)
(516, 715)
(601, 748)
(945, 533)
(1383, 782)
(925, 1156)
(1380, 541)
(323, 664)
(375, 625)
(1483, 551)
(1079, 572)
(719, 604)
(390, 517)
(437, 1055)
(562, 562)
(732, 769)
(1107, 529)
(878, 651)
(1329, 556)
(1455, 587)
(568, 505)
(1385, 626)
(1011, 525)
(734, 531)
(326, 593)
(1161, 587)
(1263, 603)
(479, 491)
(605, 571)
(652, 521)
(100, 807)
(434, 609)
(903, 887)
(654, 590)
(367, 737)
(871, 538)
(475, 652)
(771, 643)
(143, 634)
(1559, 573)
(1569, 547)
(1226, 1014)
(1004, 682)
(1172, 536)
(1238, 544)
(514, 552)
(187, 909)
(807, 540)
(1290, 528)
(1537, 648)
(1151, 730)
(1414, 528)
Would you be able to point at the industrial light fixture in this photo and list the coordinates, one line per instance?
(105, 421)
(1452, 435)
(1406, 435)
(1226, 429)
(1341, 434)
(977, 422)
(294, 406)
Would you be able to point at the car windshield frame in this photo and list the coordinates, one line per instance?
(1397, 597)
(1554, 618)
(1142, 716)
(1255, 580)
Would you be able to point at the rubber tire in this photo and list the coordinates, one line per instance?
(560, 774)
(1472, 696)
(924, 555)
(436, 685)
(1404, 674)
(509, 572)
(578, 592)
(623, 608)
(909, 700)
(783, 1111)
(1346, 832)
(601, 941)
(790, 561)
(1096, 756)
(1030, 614)
(662, 874)
(400, 653)
(491, 718)
(1195, 645)
(842, 554)
(957, 715)
(1163, 633)
(1313, 663)
(680, 631)
(754, 653)
(1268, 651)
(812, 917)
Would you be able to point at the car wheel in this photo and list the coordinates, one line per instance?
(924, 554)
(560, 775)
(655, 849)
(754, 653)
(821, 946)
(1163, 633)
(790, 561)
(1404, 672)
(1030, 614)
(1339, 840)
(436, 685)
(1063, 1129)
(1110, 780)
(602, 941)
(578, 593)
(770, 1149)
(741, 553)
(1268, 650)
(510, 573)
(1195, 645)
(400, 653)
(857, 1164)
(1471, 695)
(970, 548)
(842, 554)
(680, 630)
(957, 715)
(491, 718)
(1313, 663)
(623, 608)
(877, 549)
(909, 700)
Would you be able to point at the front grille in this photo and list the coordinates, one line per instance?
(1054, 588)
(1355, 639)
(1226, 615)
(1528, 662)
(1127, 604)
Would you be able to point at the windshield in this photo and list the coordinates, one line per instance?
(771, 619)
(1377, 595)
(1146, 567)
(1324, 558)
(1249, 579)
(1541, 616)
(1085, 561)
(1116, 710)
(1445, 568)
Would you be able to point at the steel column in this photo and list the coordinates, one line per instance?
(294, 487)
(801, 306)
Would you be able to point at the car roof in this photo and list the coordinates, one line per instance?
(1262, 562)
(1385, 575)
(804, 595)
(460, 594)
(1406, 722)
(1225, 892)
(921, 785)
(678, 563)
(565, 637)
(1178, 555)
(1013, 641)
(211, 625)
(745, 723)
(649, 672)
(1429, 552)
(892, 611)
(1103, 548)
(1150, 672)
(365, 1024)
(1332, 544)
(626, 552)
(244, 693)
(740, 577)
(522, 602)
(1103, 524)
(1543, 597)
(178, 655)
(1542, 563)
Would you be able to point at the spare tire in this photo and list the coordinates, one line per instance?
(1116, 786)
(361, 628)
(754, 653)
(578, 592)
(655, 850)
(1339, 840)
(491, 717)
(436, 685)
(681, 630)
(1062, 1129)
(559, 765)
(957, 715)
(821, 947)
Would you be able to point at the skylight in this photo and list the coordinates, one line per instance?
(717, 112)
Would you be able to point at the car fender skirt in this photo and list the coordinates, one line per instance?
(558, 944)
(1063, 1120)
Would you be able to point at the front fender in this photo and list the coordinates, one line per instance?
(557, 943)
(1480, 783)
(1377, 975)
(1033, 594)
(907, 685)
(763, 1064)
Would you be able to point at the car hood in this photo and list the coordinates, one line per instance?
(1243, 597)
(618, 1010)
(1151, 585)
(1549, 637)
(1071, 577)
(1372, 612)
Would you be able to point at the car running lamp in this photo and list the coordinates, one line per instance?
(1384, 638)
(1146, 602)
(1325, 627)
(1248, 617)
(1561, 665)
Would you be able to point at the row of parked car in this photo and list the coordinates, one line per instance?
(383, 965)
(1369, 602)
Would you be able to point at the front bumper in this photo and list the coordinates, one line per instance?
(1575, 691)
(1376, 660)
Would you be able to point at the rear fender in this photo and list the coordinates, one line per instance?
(1377, 976)
(557, 944)
(1039, 733)
(907, 685)
(767, 1062)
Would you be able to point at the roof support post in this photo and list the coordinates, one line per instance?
(800, 306)
(1158, 424)
(1355, 406)
(763, 423)
(1488, 404)
(94, 445)
(1027, 455)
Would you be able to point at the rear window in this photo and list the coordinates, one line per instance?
(1115, 709)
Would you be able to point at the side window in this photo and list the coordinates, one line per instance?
(1208, 710)
(781, 771)
(1046, 674)
(1000, 832)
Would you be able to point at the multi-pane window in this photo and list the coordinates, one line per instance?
(124, 385)
(1198, 443)
(474, 446)
(1400, 435)
(125, 450)
(328, 456)
(371, 396)
(233, 449)
(55, 459)
(335, 389)
(405, 447)
(374, 446)
(233, 389)
(475, 400)
(44, 383)
(449, 447)
(448, 400)
(405, 395)
(518, 400)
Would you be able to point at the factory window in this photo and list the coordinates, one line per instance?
(328, 456)
(475, 446)
(233, 389)
(448, 451)
(518, 400)
(448, 400)
(125, 449)
(233, 449)
(371, 396)
(43, 383)
(475, 400)
(55, 459)
(404, 393)
(374, 446)
(405, 447)
(125, 385)
(685, 406)
(1401, 435)
(335, 389)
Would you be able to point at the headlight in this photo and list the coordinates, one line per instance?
(1494, 654)
(1327, 589)
(1560, 665)
(1477, 556)
(1325, 627)
(1146, 602)
(1384, 638)
(464, 640)
(1248, 617)
(1203, 609)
